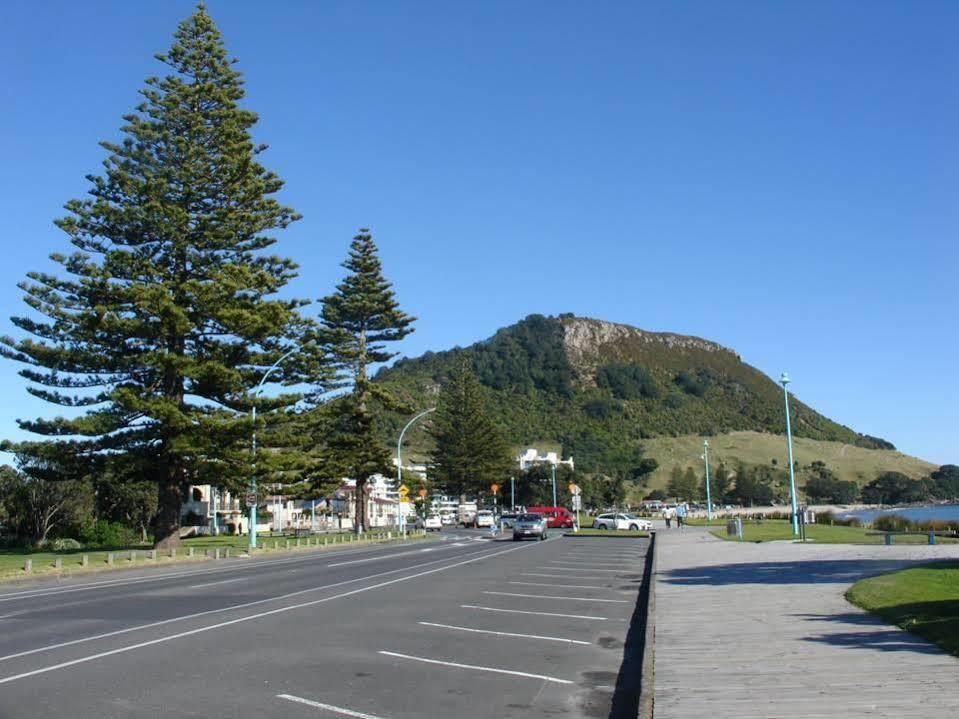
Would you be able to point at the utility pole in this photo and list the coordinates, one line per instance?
(784, 380)
(512, 494)
(554, 484)
(709, 501)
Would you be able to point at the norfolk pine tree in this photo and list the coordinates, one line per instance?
(358, 319)
(163, 320)
(470, 452)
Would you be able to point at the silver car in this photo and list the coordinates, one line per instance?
(529, 525)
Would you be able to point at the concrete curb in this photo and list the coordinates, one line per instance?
(647, 696)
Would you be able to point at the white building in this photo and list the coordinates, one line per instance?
(196, 514)
(531, 456)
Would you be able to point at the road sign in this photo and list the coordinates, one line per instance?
(403, 492)
(422, 492)
(494, 488)
(577, 502)
(574, 489)
(250, 499)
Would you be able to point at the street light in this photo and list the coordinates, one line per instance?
(399, 462)
(709, 501)
(554, 484)
(784, 380)
(256, 392)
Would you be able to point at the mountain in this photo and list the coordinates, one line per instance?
(603, 390)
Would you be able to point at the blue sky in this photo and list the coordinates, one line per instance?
(778, 177)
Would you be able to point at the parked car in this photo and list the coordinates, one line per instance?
(484, 518)
(556, 517)
(529, 525)
(508, 519)
(432, 523)
(615, 520)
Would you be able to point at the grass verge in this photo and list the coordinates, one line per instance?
(923, 600)
(778, 529)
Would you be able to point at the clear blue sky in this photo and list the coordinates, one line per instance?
(779, 177)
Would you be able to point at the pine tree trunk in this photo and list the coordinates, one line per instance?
(166, 526)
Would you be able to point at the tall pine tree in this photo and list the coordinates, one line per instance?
(358, 320)
(470, 452)
(164, 318)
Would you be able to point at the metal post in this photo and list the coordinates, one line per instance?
(399, 466)
(554, 485)
(216, 525)
(512, 494)
(784, 379)
(709, 501)
(313, 516)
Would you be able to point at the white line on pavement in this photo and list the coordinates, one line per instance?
(271, 612)
(380, 558)
(327, 707)
(504, 634)
(222, 581)
(543, 596)
(570, 568)
(567, 586)
(184, 617)
(544, 677)
(590, 562)
(557, 575)
(539, 614)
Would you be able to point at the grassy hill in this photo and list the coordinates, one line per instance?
(847, 461)
(607, 392)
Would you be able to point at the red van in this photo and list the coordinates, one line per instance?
(556, 517)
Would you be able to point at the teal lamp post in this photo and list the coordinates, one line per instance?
(784, 380)
(709, 500)
(401, 519)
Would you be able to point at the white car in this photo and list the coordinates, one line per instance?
(433, 523)
(484, 518)
(622, 521)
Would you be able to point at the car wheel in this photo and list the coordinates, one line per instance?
(603, 526)
(633, 528)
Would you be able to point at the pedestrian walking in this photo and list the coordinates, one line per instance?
(680, 516)
(667, 515)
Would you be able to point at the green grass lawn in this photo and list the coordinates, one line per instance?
(924, 600)
(776, 529)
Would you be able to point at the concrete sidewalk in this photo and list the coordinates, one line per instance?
(763, 630)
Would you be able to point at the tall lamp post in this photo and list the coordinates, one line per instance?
(399, 462)
(554, 485)
(256, 392)
(784, 380)
(709, 501)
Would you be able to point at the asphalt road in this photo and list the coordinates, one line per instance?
(463, 627)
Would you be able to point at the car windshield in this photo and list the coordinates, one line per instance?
(531, 518)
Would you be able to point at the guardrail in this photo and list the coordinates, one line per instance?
(888, 535)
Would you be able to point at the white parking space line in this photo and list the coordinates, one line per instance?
(280, 610)
(543, 596)
(327, 707)
(566, 562)
(538, 614)
(557, 575)
(503, 634)
(495, 670)
(222, 581)
(565, 586)
(560, 568)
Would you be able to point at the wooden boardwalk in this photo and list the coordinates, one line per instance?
(762, 630)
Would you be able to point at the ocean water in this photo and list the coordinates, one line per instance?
(949, 512)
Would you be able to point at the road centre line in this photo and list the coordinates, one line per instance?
(558, 576)
(377, 559)
(523, 611)
(327, 707)
(496, 670)
(109, 583)
(565, 586)
(221, 581)
(572, 599)
(503, 634)
(195, 615)
(271, 612)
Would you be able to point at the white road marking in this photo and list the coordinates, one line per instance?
(566, 586)
(503, 634)
(327, 707)
(543, 596)
(558, 576)
(496, 670)
(195, 615)
(539, 614)
(110, 583)
(222, 581)
(570, 568)
(379, 558)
